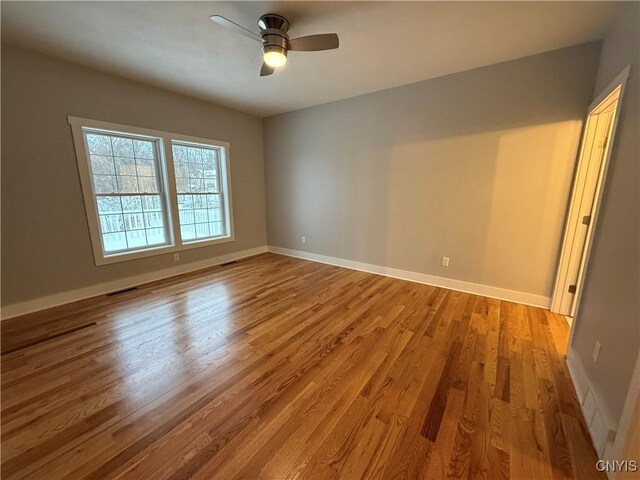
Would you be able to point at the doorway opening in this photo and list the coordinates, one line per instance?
(588, 184)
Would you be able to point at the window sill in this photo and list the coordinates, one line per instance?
(161, 250)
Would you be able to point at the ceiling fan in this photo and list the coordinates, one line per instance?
(276, 42)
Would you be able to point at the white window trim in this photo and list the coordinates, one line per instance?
(167, 170)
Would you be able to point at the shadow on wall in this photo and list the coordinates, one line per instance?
(476, 166)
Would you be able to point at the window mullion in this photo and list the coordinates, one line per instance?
(172, 194)
(221, 193)
(225, 190)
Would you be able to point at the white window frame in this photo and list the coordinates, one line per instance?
(168, 189)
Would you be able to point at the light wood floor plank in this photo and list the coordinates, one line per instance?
(274, 367)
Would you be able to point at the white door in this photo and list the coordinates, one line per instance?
(587, 186)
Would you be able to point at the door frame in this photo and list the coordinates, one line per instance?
(619, 81)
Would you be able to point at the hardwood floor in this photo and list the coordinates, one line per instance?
(276, 368)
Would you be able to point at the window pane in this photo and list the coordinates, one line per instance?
(111, 223)
(109, 205)
(105, 183)
(136, 238)
(216, 228)
(131, 204)
(199, 201)
(186, 216)
(210, 185)
(179, 154)
(202, 230)
(128, 184)
(102, 165)
(144, 149)
(151, 203)
(155, 236)
(209, 156)
(146, 168)
(125, 166)
(196, 171)
(193, 155)
(122, 147)
(99, 144)
(133, 221)
(182, 169)
(128, 191)
(187, 232)
(153, 220)
(196, 185)
(183, 185)
(213, 201)
(200, 216)
(200, 204)
(148, 184)
(185, 202)
(114, 241)
(215, 215)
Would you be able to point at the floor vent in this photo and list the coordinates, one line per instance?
(118, 292)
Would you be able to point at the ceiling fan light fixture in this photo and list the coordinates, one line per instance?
(275, 57)
(276, 42)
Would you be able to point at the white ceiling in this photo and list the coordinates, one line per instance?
(174, 45)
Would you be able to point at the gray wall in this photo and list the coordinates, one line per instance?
(476, 166)
(45, 239)
(609, 310)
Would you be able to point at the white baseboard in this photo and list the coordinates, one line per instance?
(621, 447)
(29, 306)
(600, 422)
(569, 320)
(578, 375)
(459, 285)
(61, 298)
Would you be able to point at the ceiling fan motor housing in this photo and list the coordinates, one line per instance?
(273, 32)
(275, 41)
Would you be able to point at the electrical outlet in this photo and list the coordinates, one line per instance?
(596, 351)
(303, 239)
(176, 257)
(445, 261)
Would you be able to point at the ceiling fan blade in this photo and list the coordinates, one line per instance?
(266, 70)
(225, 22)
(311, 43)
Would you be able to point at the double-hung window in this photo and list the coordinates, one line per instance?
(200, 199)
(148, 192)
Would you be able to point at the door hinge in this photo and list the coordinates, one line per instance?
(572, 289)
(603, 142)
(586, 220)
